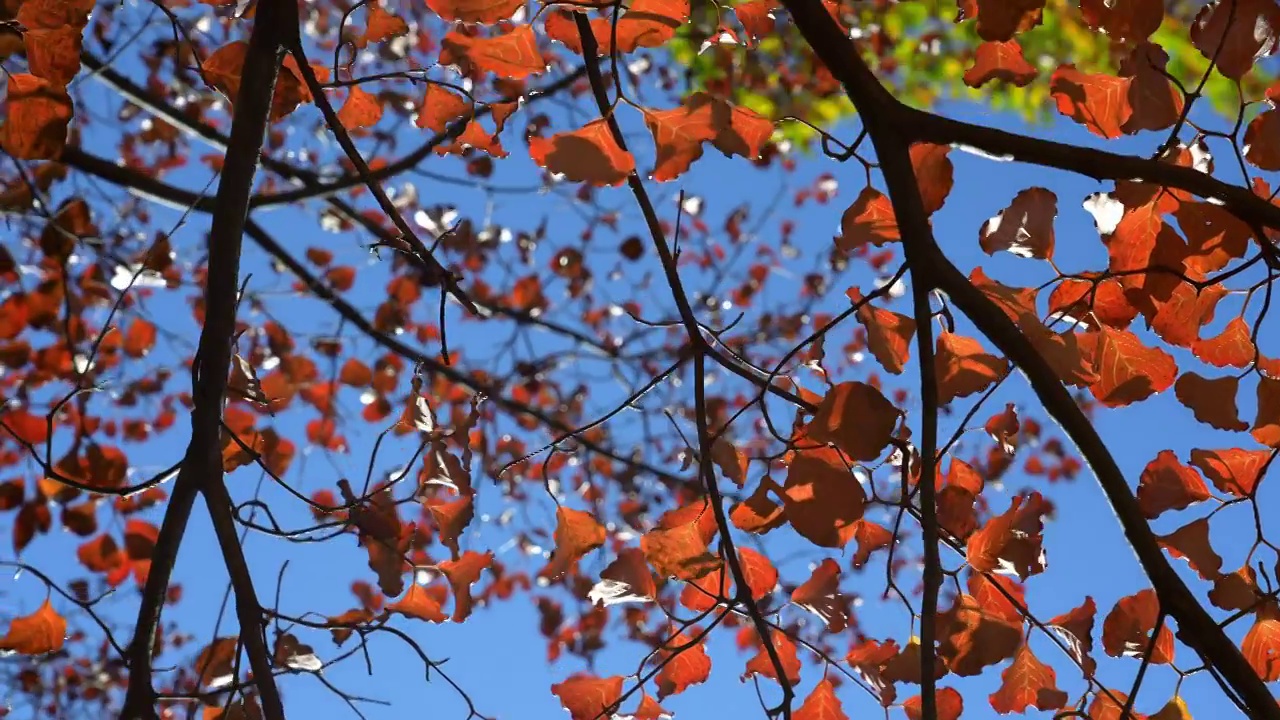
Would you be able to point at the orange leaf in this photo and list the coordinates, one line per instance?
(1129, 371)
(577, 533)
(963, 368)
(762, 665)
(1091, 303)
(1098, 101)
(949, 703)
(587, 697)
(360, 110)
(462, 574)
(869, 220)
(870, 537)
(646, 23)
(381, 25)
(1002, 61)
(820, 595)
(1127, 630)
(514, 55)
(588, 154)
(1167, 484)
(678, 546)
(222, 71)
(36, 119)
(476, 11)
(1025, 228)
(1213, 401)
(1012, 541)
(888, 333)
(822, 704)
(452, 518)
(857, 418)
(43, 631)
(649, 709)
(1261, 646)
(422, 602)
(822, 499)
(440, 107)
(1025, 683)
(686, 664)
(1234, 471)
(681, 132)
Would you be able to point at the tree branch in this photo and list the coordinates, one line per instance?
(202, 466)
(893, 127)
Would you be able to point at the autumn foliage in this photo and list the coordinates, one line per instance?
(328, 329)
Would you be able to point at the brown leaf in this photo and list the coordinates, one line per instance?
(1191, 543)
(1025, 228)
(857, 418)
(822, 499)
(888, 333)
(1212, 400)
(963, 368)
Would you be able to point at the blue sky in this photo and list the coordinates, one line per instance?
(497, 655)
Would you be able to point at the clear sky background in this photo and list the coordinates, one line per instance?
(497, 656)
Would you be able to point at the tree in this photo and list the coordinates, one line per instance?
(570, 386)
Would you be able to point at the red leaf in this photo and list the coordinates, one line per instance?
(52, 37)
(627, 579)
(1127, 630)
(1260, 141)
(588, 154)
(1126, 21)
(1233, 347)
(857, 418)
(1001, 61)
(870, 537)
(1167, 484)
(1076, 627)
(1234, 471)
(972, 638)
(821, 595)
(462, 574)
(681, 132)
(758, 513)
(869, 220)
(452, 518)
(475, 11)
(1012, 541)
(678, 546)
(1098, 101)
(139, 338)
(422, 602)
(1002, 19)
(514, 55)
(1129, 371)
(1025, 683)
(36, 119)
(222, 71)
(381, 25)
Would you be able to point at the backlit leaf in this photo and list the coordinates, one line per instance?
(888, 333)
(1026, 683)
(43, 631)
(822, 499)
(588, 154)
(1166, 484)
(1127, 630)
(857, 418)
(36, 118)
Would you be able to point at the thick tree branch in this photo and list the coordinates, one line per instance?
(201, 469)
(893, 127)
